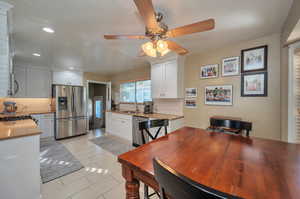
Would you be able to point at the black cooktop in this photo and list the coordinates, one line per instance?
(16, 118)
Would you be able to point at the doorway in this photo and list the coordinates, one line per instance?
(294, 94)
(99, 101)
(98, 112)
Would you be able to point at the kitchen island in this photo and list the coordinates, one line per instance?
(19, 159)
(121, 123)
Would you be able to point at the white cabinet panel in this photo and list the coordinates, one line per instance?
(121, 126)
(175, 124)
(4, 56)
(33, 82)
(45, 124)
(157, 78)
(20, 78)
(167, 78)
(68, 78)
(170, 83)
(20, 168)
(38, 83)
(4, 80)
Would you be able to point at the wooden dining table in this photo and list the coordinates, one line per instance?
(237, 165)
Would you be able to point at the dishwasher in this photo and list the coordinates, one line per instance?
(136, 133)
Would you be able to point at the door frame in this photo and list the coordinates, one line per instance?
(291, 96)
(108, 94)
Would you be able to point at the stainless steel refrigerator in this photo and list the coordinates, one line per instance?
(70, 116)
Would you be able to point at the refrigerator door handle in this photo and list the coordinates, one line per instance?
(73, 100)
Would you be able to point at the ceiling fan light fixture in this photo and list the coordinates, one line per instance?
(161, 46)
(149, 49)
(163, 53)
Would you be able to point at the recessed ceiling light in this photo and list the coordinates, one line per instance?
(71, 68)
(36, 54)
(48, 30)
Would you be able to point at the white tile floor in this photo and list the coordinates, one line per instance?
(99, 179)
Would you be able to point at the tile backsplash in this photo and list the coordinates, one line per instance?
(169, 106)
(30, 104)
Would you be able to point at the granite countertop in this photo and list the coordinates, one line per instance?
(19, 128)
(24, 113)
(153, 115)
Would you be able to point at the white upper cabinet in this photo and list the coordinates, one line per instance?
(4, 51)
(38, 83)
(20, 81)
(32, 82)
(68, 78)
(167, 78)
(157, 78)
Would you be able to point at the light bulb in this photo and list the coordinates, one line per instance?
(147, 46)
(149, 49)
(161, 46)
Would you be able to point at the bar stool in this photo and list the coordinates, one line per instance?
(144, 127)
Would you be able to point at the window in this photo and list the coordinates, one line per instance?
(139, 91)
(127, 92)
(98, 107)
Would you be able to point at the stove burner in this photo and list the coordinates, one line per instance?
(16, 118)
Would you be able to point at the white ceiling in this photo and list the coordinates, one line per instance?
(80, 25)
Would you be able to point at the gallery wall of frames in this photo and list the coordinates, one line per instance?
(252, 67)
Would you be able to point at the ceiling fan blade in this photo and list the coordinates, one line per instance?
(176, 48)
(192, 28)
(147, 12)
(125, 37)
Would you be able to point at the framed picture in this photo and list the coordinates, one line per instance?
(209, 71)
(254, 84)
(218, 95)
(190, 103)
(255, 59)
(230, 66)
(190, 92)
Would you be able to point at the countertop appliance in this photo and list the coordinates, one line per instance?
(136, 133)
(70, 115)
(148, 107)
(10, 107)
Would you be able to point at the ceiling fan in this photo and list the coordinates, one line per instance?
(158, 32)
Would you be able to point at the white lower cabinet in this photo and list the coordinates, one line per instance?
(45, 124)
(20, 168)
(119, 125)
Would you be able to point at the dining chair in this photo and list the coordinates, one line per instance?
(231, 125)
(145, 127)
(177, 186)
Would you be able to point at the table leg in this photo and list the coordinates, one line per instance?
(132, 189)
(132, 184)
